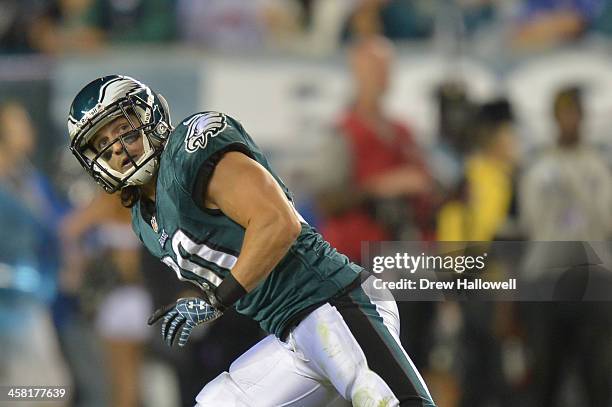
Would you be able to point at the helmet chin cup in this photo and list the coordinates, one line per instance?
(144, 174)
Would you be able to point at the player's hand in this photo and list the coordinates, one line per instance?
(183, 315)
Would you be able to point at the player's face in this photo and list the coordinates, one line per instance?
(118, 144)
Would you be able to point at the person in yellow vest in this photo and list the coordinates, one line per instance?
(480, 208)
(478, 211)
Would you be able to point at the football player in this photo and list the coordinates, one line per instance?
(206, 202)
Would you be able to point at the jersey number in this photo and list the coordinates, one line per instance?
(190, 249)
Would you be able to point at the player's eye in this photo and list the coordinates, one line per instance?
(102, 144)
(107, 154)
(105, 149)
(131, 138)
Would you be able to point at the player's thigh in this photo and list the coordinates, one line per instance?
(269, 374)
(374, 322)
(354, 341)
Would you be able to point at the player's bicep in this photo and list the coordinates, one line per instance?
(243, 189)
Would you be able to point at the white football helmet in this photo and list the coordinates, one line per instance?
(104, 100)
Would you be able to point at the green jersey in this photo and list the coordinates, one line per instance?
(202, 245)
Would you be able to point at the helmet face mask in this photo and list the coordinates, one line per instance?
(103, 102)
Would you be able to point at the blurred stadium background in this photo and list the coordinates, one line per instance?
(506, 111)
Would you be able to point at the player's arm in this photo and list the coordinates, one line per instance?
(248, 194)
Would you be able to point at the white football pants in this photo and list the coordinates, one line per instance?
(346, 352)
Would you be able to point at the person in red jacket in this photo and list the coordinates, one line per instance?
(388, 180)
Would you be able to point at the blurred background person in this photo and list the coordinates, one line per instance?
(483, 201)
(479, 210)
(387, 189)
(29, 259)
(111, 292)
(566, 195)
(558, 187)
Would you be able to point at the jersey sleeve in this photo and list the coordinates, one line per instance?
(206, 137)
